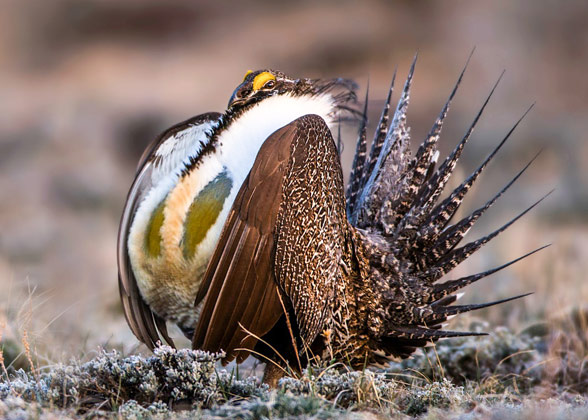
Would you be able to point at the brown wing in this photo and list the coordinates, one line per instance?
(242, 281)
(312, 228)
(145, 324)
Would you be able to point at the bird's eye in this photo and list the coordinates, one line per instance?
(269, 84)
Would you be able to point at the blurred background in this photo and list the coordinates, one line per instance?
(85, 85)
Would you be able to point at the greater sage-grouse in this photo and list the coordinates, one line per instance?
(238, 229)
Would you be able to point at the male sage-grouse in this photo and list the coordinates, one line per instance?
(238, 229)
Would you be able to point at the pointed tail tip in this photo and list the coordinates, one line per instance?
(539, 152)
(501, 301)
(468, 60)
(413, 65)
(393, 77)
(529, 109)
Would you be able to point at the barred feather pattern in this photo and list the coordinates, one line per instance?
(359, 160)
(379, 136)
(388, 176)
(405, 232)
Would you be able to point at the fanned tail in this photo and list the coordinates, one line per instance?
(393, 203)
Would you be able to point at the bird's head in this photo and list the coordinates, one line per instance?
(261, 84)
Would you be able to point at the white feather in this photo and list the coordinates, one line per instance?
(178, 149)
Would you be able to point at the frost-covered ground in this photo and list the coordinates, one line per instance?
(534, 374)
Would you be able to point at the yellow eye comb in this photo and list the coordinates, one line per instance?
(261, 79)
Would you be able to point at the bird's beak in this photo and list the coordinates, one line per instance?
(235, 99)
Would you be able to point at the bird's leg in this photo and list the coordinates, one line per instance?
(272, 374)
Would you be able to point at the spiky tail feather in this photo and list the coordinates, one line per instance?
(392, 201)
